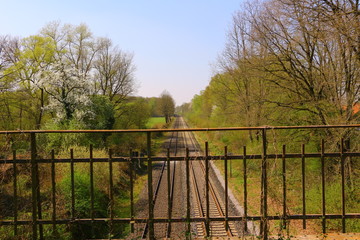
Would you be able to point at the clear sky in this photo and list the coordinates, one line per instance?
(174, 42)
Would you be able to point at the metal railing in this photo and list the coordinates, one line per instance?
(38, 221)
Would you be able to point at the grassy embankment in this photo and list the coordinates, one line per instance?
(235, 142)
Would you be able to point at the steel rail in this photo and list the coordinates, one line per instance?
(172, 184)
(146, 228)
(215, 199)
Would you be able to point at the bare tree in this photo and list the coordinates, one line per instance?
(308, 57)
(114, 75)
(239, 88)
(9, 47)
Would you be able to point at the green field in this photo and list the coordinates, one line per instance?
(155, 122)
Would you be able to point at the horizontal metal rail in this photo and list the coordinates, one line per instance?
(174, 220)
(185, 129)
(158, 159)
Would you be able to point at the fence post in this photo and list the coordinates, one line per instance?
(111, 195)
(207, 218)
(342, 170)
(34, 184)
(283, 226)
(188, 230)
(131, 168)
(92, 211)
(150, 188)
(245, 189)
(15, 195)
(323, 199)
(264, 225)
(169, 202)
(226, 189)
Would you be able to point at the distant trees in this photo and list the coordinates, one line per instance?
(166, 105)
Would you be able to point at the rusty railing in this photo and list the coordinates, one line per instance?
(38, 221)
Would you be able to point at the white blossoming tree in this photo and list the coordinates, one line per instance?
(68, 92)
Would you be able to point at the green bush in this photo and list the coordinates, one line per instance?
(83, 206)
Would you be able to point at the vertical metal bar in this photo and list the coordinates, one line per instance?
(284, 186)
(303, 184)
(230, 163)
(41, 227)
(245, 189)
(150, 188)
(226, 189)
(131, 167)
(15, 195)
(72, 176)
(34, 185)
(207, 220)
(53, 190)
(92, 214)
(323, 203)
(111, 194)
(168, 173)
(343, 186)
(264, 223)
(37, 179)
(187, 193)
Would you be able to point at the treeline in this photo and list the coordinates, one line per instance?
(64, 75)
(286, 63)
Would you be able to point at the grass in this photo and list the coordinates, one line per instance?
(156, 122)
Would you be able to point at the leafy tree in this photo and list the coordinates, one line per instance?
(35, 56)
(134, 114)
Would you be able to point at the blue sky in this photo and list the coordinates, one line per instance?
(174, 42)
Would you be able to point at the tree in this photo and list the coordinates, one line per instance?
(35, 55)
(309, 57)
(134, 114)
(114, 72)
(69, 92)
(167, 105)
(8, 102)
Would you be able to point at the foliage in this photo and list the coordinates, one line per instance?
(82, 205)
(103, 113)
(57, 74)
(134, 114)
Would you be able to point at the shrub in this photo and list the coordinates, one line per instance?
(83, 205)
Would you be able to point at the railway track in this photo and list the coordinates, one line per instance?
(168, 183)
(215, 205)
